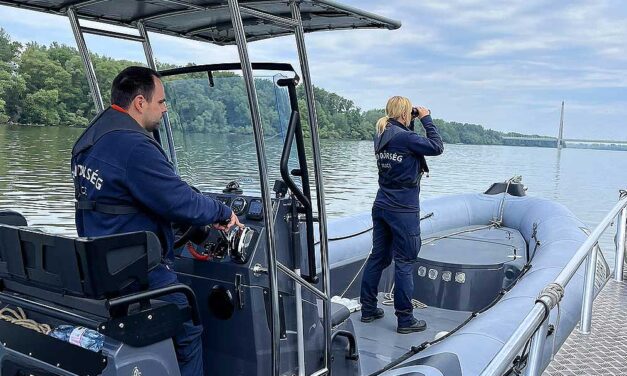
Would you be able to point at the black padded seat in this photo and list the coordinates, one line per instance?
(12, 218)
(339, 314)
(93, 268)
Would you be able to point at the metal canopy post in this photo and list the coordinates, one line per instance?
(322, 215)
(247, 71)
(166, 118)
(89, 67)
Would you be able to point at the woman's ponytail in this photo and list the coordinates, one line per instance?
(381, 123)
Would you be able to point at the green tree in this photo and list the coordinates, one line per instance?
(46, 85)
(40, 107)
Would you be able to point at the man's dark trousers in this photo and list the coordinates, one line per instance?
(188, 343)
(395, 235)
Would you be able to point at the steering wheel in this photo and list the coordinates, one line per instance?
(195, 234)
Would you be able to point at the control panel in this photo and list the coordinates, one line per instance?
(235, 245)
(244, 207)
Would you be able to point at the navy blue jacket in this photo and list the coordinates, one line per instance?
(400, 156)
(117, 162)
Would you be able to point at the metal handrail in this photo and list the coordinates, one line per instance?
(532, 326)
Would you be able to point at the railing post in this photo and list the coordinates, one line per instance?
(300, 332)
(255, 115)
(620, 245)
(588, 292)
(92, 80)
(152, 63)
(536, 353)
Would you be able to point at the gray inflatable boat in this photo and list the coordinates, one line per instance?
(485, 259)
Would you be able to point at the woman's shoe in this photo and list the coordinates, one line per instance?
(416, 326)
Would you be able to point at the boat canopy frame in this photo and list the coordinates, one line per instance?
(222, 23)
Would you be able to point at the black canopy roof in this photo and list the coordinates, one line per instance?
(209, 20)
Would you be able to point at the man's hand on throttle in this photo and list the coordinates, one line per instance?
(225, 226)
(234, 222)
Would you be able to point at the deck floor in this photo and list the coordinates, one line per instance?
(379, 343)
(604, 350)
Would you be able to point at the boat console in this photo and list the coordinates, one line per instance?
(228, 273)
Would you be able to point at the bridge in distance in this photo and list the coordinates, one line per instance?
(552, 142)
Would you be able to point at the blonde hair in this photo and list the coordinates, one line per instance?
(396, 107)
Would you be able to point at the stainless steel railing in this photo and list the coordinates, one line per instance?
(535, 325)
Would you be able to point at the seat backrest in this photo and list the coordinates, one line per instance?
(88, 267)
(13, 218)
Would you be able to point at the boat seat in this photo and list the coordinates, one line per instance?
(92, 268)
(13, 218)
(339, 314)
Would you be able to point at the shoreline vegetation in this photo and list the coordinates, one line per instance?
(46, 86)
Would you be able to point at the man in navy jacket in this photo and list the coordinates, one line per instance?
(124, 182)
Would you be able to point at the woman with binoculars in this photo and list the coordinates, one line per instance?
(400, 155)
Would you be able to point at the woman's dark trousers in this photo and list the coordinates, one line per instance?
(396, 235)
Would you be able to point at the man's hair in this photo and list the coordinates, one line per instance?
(131, 82)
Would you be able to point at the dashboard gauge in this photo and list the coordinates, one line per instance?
(238, 205)
(255, 210)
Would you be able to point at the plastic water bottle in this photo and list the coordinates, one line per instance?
(79, 336)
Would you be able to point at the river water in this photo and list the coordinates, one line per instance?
(35, 175)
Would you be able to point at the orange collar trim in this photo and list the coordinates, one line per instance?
(118, 108)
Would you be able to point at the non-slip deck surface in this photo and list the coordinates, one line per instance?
(379, 343)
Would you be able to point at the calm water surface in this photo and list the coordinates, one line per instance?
(35, 175)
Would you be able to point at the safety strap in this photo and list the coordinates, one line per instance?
(393, 184)
(104, 208)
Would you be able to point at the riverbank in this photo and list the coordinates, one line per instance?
(546, 142)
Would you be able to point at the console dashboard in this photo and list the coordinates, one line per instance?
(235, 245)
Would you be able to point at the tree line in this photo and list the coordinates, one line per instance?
(46, 85)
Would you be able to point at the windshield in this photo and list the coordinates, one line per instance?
(212, 128)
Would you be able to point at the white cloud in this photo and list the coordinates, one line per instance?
(471, 60)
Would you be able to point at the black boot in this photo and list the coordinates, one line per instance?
(416, 326)
(378, 313)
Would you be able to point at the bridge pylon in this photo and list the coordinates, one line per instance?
(560, 138)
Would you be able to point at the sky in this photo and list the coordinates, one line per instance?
(506, 65)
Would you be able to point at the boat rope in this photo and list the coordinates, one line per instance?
(356, 275)
(534, 236)
(554, 292)
(388, 299)
(431, 240)
(363, 232)
(19, 318)
(498, 222)
(366, 260)
(416, 349)
(520, 361)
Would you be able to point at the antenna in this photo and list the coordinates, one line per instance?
(561, 134)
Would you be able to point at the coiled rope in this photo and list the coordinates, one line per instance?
(19, 318)
(388, 299)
